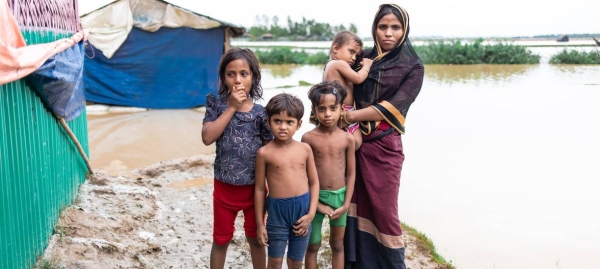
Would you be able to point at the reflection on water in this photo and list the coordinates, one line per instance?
(280, 71)
(501, 168)
(276, 76)
(502, 173)
(589, 73)
(474, 73)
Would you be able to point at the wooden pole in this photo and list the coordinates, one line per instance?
(76, 141)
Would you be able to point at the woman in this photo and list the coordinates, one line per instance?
(373, 234)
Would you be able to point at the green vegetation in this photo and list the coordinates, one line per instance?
(576, 57)
(305, 83)
(435, 52)
(425, 246)
(455, 52)
(285, 55)
(304, 30)
(300, 83)
(46, 264)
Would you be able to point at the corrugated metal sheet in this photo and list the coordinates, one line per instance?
(40, 169)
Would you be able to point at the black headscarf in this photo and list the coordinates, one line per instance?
(395, 78)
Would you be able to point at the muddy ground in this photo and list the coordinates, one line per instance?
(159, 216)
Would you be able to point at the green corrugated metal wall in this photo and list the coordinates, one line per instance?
(40, 169)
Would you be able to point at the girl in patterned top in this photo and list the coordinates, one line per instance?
(239, 127)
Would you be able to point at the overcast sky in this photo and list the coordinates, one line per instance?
(458, 18)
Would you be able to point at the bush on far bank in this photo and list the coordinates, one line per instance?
(457, 52)
(576, 57)
(440, 52)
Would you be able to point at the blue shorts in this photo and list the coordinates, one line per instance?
(282, 214)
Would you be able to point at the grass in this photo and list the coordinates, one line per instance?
(60, 230)
(424, 244)
(46, 264)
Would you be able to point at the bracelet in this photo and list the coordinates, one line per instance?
(345, 118)
(366, 70)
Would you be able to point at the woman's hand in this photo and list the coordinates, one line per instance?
(344, 121)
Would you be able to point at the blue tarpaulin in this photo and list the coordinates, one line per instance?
(169, 68)
(59, 82)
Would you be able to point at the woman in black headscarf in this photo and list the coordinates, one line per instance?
(373, 233)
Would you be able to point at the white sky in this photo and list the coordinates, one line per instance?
(458, 18)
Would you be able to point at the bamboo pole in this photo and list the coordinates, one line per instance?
(76, 141)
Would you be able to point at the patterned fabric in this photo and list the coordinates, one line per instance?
(373, 236)
(237, 146)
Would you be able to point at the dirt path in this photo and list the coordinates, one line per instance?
(156, 217)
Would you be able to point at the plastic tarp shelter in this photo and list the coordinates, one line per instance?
(152, 54)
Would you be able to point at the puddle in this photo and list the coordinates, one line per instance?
(191, 183)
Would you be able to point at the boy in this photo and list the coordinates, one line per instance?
(288, 167)
(334, 157)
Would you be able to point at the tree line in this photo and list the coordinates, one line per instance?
(569, 35)
(294, 30)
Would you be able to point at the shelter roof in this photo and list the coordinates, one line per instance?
(237, 30)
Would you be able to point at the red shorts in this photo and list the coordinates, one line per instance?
(228, 200)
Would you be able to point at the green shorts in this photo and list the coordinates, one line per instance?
(334, 199)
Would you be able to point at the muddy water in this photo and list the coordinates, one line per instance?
(120, 142)
(501, 161)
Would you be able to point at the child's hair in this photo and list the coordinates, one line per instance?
(247, 56)
(344, 37)
(292, 105)
(317, 91)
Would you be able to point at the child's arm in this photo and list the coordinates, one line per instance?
(212, 130)
(265, 130)
(303, 224)
(259, 198)
(348, 73)
(350, 178)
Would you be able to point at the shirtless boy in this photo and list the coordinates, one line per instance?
(333, 150)
(288, 168)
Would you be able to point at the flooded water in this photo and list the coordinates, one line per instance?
(501, 160)
(120, 142)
